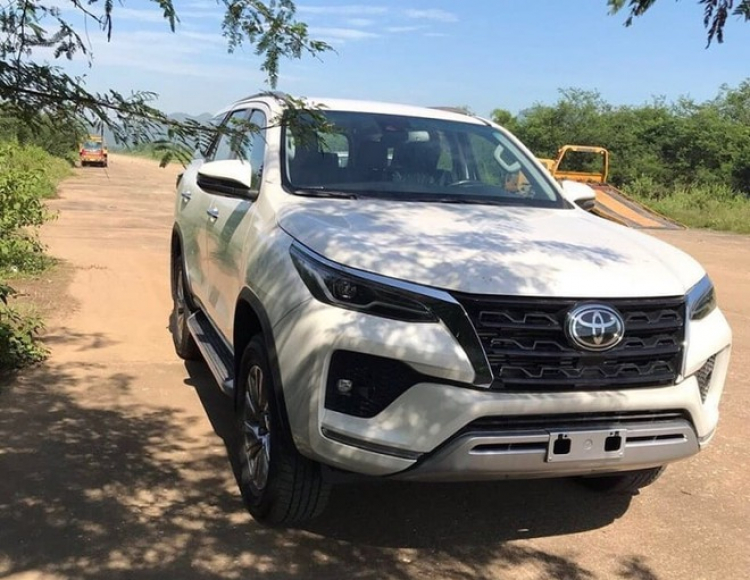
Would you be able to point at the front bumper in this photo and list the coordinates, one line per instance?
(427, 433)
(527, 453)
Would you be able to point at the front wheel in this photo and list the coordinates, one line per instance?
(628, 482)
(278, 485)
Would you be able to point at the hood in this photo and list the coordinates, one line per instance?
(482, 249)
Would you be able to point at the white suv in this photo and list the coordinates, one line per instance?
(403, 292)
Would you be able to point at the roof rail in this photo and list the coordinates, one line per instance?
(280, 95)
(459, 110)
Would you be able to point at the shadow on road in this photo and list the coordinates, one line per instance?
(429, 515)
(102, 486)
(462, 522)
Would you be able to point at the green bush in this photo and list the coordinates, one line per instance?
(18, 335)
(24, 182)
(27, 176)
(681, 144)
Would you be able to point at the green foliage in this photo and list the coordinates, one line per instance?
(682, 144)
(50, 135)
(504, 118)
(715, 13)
(27, 176)
(33, 89)
(19, 346)
(687, 160)
(715, 207)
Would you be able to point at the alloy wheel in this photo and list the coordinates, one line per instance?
(256, 432)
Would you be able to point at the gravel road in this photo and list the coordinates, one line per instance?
(113, 461)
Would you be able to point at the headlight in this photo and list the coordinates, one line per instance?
(348, 289)
(701, 299)
(380, 296)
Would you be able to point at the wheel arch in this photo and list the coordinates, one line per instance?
(250, 318)
(177, 251)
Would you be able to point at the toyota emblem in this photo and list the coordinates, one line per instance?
(595, 327)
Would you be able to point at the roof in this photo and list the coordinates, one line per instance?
(276, 102)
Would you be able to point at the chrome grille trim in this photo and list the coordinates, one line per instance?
(525, 343)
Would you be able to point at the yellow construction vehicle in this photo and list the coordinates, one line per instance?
(592, 168)
(557, 168)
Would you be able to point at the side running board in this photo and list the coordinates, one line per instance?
(214, 351)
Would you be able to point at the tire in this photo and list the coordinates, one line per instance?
(279, 486)
(628, 483)
(184, 344)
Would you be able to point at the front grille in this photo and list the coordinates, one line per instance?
(527, 348)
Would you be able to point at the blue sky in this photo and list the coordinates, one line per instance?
(483, 54)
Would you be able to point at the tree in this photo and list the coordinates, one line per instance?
(33, 91)
(715, 13)
(505, 118)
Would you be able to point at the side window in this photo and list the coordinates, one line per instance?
(226, 145)
(254, 148)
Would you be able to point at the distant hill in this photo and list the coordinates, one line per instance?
(113, 145)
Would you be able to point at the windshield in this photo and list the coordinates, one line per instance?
(411, 159)
(92, 145)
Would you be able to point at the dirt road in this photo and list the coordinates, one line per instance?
(113, 463)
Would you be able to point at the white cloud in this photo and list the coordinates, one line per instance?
(432, 14)
(402, 29)
(178, 55)
(341, 34)
(214, 14)
(204, 37)
(346, 10)
(137, 14)
(359, 22)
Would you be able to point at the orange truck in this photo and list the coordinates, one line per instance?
(93, 151)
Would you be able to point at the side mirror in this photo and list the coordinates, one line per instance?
(229, 177)
(580, 194)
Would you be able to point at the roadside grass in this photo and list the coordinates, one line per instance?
(164, 153)
(147, 151)
(36, 163)
(28, 176)
(705, 206)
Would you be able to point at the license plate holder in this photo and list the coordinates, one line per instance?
(591, 445)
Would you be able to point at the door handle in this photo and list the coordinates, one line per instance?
(213, 213)
(186, 195)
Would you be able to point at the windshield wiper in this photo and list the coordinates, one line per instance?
(473, 201)
(329, 193)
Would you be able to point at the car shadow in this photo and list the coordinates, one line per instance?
(388, 513)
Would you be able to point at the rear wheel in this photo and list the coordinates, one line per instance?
(628, 482)
(278, 485)
(184, 344)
